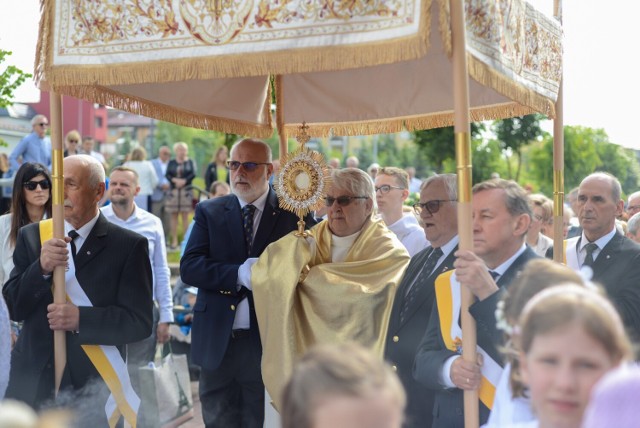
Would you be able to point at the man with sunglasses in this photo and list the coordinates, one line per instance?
(438, 212)
(35, 147)
(391, 186)
(228, 234)
(335, 284)
(501, 218)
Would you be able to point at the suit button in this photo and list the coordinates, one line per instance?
(396, 339)
(233, 307)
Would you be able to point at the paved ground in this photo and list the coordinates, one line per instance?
(196, 422)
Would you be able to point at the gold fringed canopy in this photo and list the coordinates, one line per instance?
(343, 68)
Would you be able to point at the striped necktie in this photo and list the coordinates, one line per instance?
(247, 221)
(431, 262)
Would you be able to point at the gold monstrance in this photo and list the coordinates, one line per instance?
(302, 181)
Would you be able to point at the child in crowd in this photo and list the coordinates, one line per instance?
(614, 400)
(342, 386)
(511, 403)
(570, 337)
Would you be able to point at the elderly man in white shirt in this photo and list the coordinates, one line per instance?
(123, 211)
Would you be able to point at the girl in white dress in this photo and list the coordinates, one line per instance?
(511, 403)
(570, 336)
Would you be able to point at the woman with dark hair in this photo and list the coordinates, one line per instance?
(31, 202)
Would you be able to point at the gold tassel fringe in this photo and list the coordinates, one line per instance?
(167, 113)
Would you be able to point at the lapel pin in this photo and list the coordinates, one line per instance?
(88, 253)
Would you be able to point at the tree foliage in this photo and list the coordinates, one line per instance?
(438, 144)
(10, 79)
(513, 134)
(586, 150)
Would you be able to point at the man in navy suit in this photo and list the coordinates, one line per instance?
(225, 338)
(438, 210)
(501, 218)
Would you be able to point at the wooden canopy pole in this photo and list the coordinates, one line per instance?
(462, 132)
(57, 191)
(558, 163)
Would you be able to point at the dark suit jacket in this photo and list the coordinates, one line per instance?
(215, 251)
(113, 269)
(432, 353)
(617, 269)
(403, 338)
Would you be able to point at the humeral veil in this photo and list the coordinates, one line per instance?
(302, 298)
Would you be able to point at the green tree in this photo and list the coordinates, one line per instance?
(585, 150)
(10, 79)
(438, 144)
(513, 134)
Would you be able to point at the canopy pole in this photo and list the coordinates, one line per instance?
(464, 170)
(558, 162)
(284, 146)
(57, 193)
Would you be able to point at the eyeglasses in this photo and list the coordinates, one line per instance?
(342, 201)
(248, 166)
(73, 141)
(432, 207)
(385, 188)
(31, 185)
(633, 208)
(43, 124)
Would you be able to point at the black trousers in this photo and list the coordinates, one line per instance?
(233, 394)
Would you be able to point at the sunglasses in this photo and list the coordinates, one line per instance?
(342, 201)
(73, 141)
(248, 166)
(385, 188)
(43, 124)
(31, 185)
(432, 207)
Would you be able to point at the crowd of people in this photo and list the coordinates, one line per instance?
(355, 323)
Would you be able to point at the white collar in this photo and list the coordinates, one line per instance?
(600, 242)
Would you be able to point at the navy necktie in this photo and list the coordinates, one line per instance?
(494, 275)
(247, 221)
(422, 278)
(589, 248)
(73, 235)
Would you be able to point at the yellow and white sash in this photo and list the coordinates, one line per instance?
(570, 256)
(107, 360)
(449, 304)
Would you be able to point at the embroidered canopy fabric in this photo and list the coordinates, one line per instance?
(344, 67)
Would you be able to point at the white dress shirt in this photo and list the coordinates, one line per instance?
(600, 242)
(241, 321)
(150, 226)
(409, 232)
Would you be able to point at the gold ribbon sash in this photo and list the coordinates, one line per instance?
(107, 360)
(449, 306)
